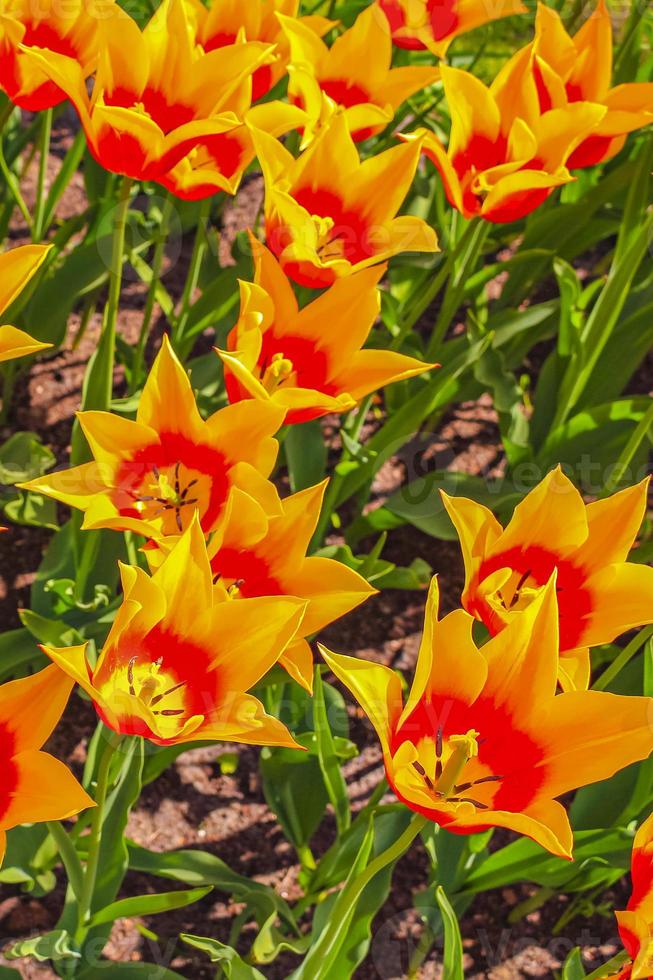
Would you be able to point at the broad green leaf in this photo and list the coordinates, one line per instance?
(573, 966)
(334, 781)
(19, 654)
(139, 905)
(32, 510)
(306, 454)
(294, 790)
(452, 966)
(232, 964)
(56, 945)
(524, 860)
(199, 868)
(23, 457)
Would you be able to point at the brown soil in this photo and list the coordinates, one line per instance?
(192, 804)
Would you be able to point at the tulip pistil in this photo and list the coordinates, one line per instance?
(463, 748)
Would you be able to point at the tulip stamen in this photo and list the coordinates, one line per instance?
(520, 585)
(422, 771)
(171, 690)
(477, 782)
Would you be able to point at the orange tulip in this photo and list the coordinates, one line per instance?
(328, 215)
(16, 269)
(152, 474)
(433, 24)
(180, 658)
(35, 786)
(355, 73)
(282, 354)
(255, 555)
(576, 69)
(600, 594)
(157, 97)
(483, 739)
(225, 21)
(69, 31)
(636, 923)
(505, 156)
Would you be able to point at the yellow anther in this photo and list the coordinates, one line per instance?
(463, 748)
(277, 371)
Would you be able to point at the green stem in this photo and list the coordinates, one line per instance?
(157, 262)
(69, 857)
(95, 836)
(199, 250)
(625, 459)
(622, 659)
(474, 241)
(115, 283)
(44, 149)
(317, 965)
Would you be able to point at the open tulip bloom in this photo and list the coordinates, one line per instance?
(327, 214)
(354, 73)
(282, 354)
(180, 657)
(578, 69)
(600, 594)
(505, 155)
(151, 475)
(156, 97)
(483, 739)
(224, 22)
(34, 786)
(17, 267)
(68, 31)
(433, 24)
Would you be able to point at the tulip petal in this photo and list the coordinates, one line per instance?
(17, 266)
(47, 790)
(32, 706)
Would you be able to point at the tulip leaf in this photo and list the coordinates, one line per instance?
(453, 947)
(19, 654)
(149, 904)
(56, 945)
(231, 963)
(23, 457)
(128, 971)
(306, 454)
(573, 966)
(199, 868)
(524, 860)
(334, 781)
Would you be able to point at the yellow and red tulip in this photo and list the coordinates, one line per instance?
(226, 21)
(570, 70)
(252, 555)
(433, 24)
(17, 267)
(152, 474)
(70, 31)
(355, 73)
(636, 922)
(35, 786)
(505, 156)
(180, 658)
(327, 214)
(279, 353)
(600, 593)
(483, 739)
(156, 96)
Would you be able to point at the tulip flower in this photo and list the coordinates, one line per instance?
(483, 739)
(636, 923)
(577, 69)
(355, 73)
(255, 555)
(179, 659)
(156, 97)
(433, 24)
(151, 475)
(70, 31)
(16, 269)
(328, 215)
(504, 157)
(600, 594)
(282, 354)
(35, 786)
(225, 21)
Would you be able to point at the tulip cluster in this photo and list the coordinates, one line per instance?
(223, 584)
